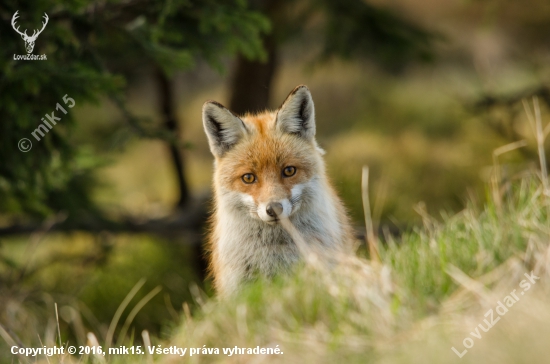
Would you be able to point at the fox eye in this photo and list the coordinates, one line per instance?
(248, 178)
(289, 171)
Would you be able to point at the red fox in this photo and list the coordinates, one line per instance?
(268, 167)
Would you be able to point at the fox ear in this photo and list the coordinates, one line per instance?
(222, 127)
(297, 113)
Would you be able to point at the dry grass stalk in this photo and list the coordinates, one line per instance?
(371, 239)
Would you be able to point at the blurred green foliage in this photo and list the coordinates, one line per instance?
(90, 48)
(356, 28)
(88, 278)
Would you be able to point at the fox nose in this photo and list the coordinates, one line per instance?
(274, 209)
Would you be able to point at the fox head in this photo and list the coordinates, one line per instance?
(266, 165)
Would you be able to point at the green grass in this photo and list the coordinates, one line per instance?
(430, 290)
(409, 308)
(362, 312)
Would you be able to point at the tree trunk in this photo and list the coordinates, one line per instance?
(252, 80)
(168, 112)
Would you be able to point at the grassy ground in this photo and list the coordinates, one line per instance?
(421, 145)
(431, 289)
(430, 293)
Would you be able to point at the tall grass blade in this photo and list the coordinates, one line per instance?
(134, 313)
(119, 311)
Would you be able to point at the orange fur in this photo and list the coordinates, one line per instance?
(244, 238)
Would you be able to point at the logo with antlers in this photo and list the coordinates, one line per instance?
(29, 40)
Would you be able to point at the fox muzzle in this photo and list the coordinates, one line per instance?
(274, 209)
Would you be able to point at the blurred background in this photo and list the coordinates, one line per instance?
(423, 92)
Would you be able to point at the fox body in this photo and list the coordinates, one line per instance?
(268, 167)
